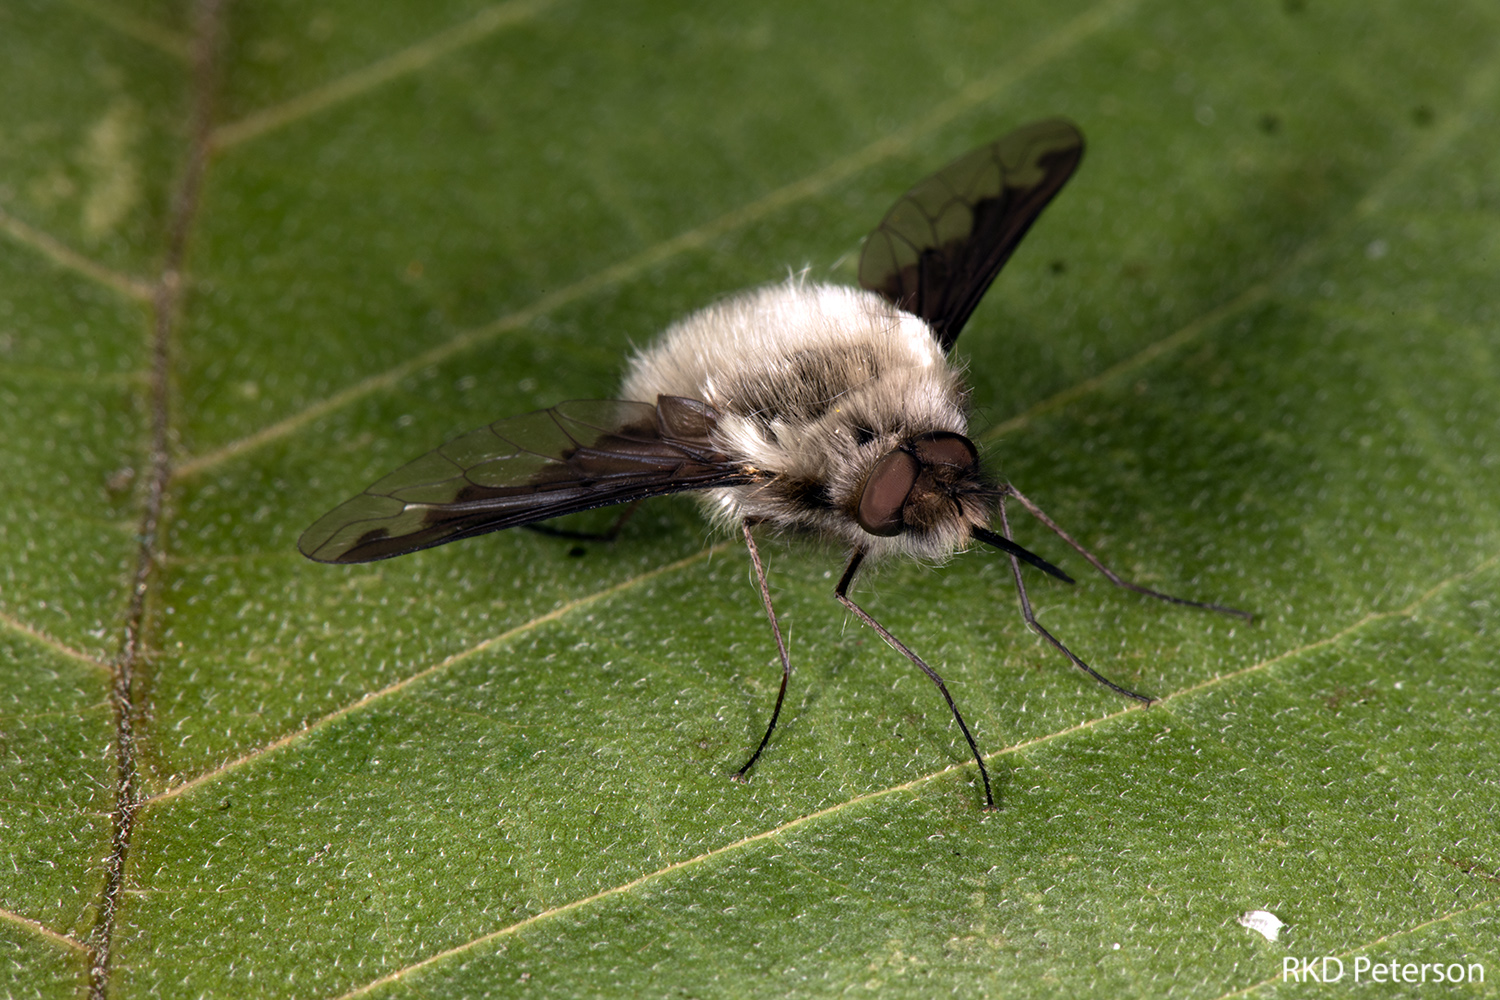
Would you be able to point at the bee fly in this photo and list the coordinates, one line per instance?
(802, 407)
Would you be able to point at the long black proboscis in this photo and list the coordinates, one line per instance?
(1004, 544)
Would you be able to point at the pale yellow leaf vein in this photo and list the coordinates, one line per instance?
(1212, 682)
(173, 43)
(1480, 84)
(881, 793)
(1370, 619)
(676, 866)
(43, 931)
(407, 61)
(65, 256)
(396, 687)
(49, 643)
(899, 141)
(1189, 332)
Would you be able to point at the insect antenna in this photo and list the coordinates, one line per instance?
(842, 593)
(1109, 574)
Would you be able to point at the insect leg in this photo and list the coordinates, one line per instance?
(786, 663)
(1036, 626)
(842, 593)
(586, 536)
(1109, 574)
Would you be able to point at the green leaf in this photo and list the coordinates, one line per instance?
(1249, 355)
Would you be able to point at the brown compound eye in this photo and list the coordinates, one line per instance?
(945, 448)
(885, 493)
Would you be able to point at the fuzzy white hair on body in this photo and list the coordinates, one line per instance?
(815, 382)
(803, 407)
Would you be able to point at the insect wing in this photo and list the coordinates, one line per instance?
(940, 246)
(573, 457)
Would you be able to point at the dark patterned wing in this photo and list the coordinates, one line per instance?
(573, 457)
(939, 247)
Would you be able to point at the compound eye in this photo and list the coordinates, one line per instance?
(885, 493)
(945, 448)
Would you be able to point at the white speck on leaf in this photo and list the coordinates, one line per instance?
(1263, 922)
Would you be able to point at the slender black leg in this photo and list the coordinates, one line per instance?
(842, 593)
(786, 663)
(1036, 626)
(1109, 574)
(586, 536)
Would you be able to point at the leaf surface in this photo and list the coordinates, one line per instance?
(1248, 355)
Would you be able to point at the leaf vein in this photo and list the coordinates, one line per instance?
(41, 930)
(54, 645)
(892, 144)
(1481, 84)
(402, 63)
(396, 687)
(66, 257)
(840, 807)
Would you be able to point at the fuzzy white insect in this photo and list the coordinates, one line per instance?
(817, 382)
(805, 407)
